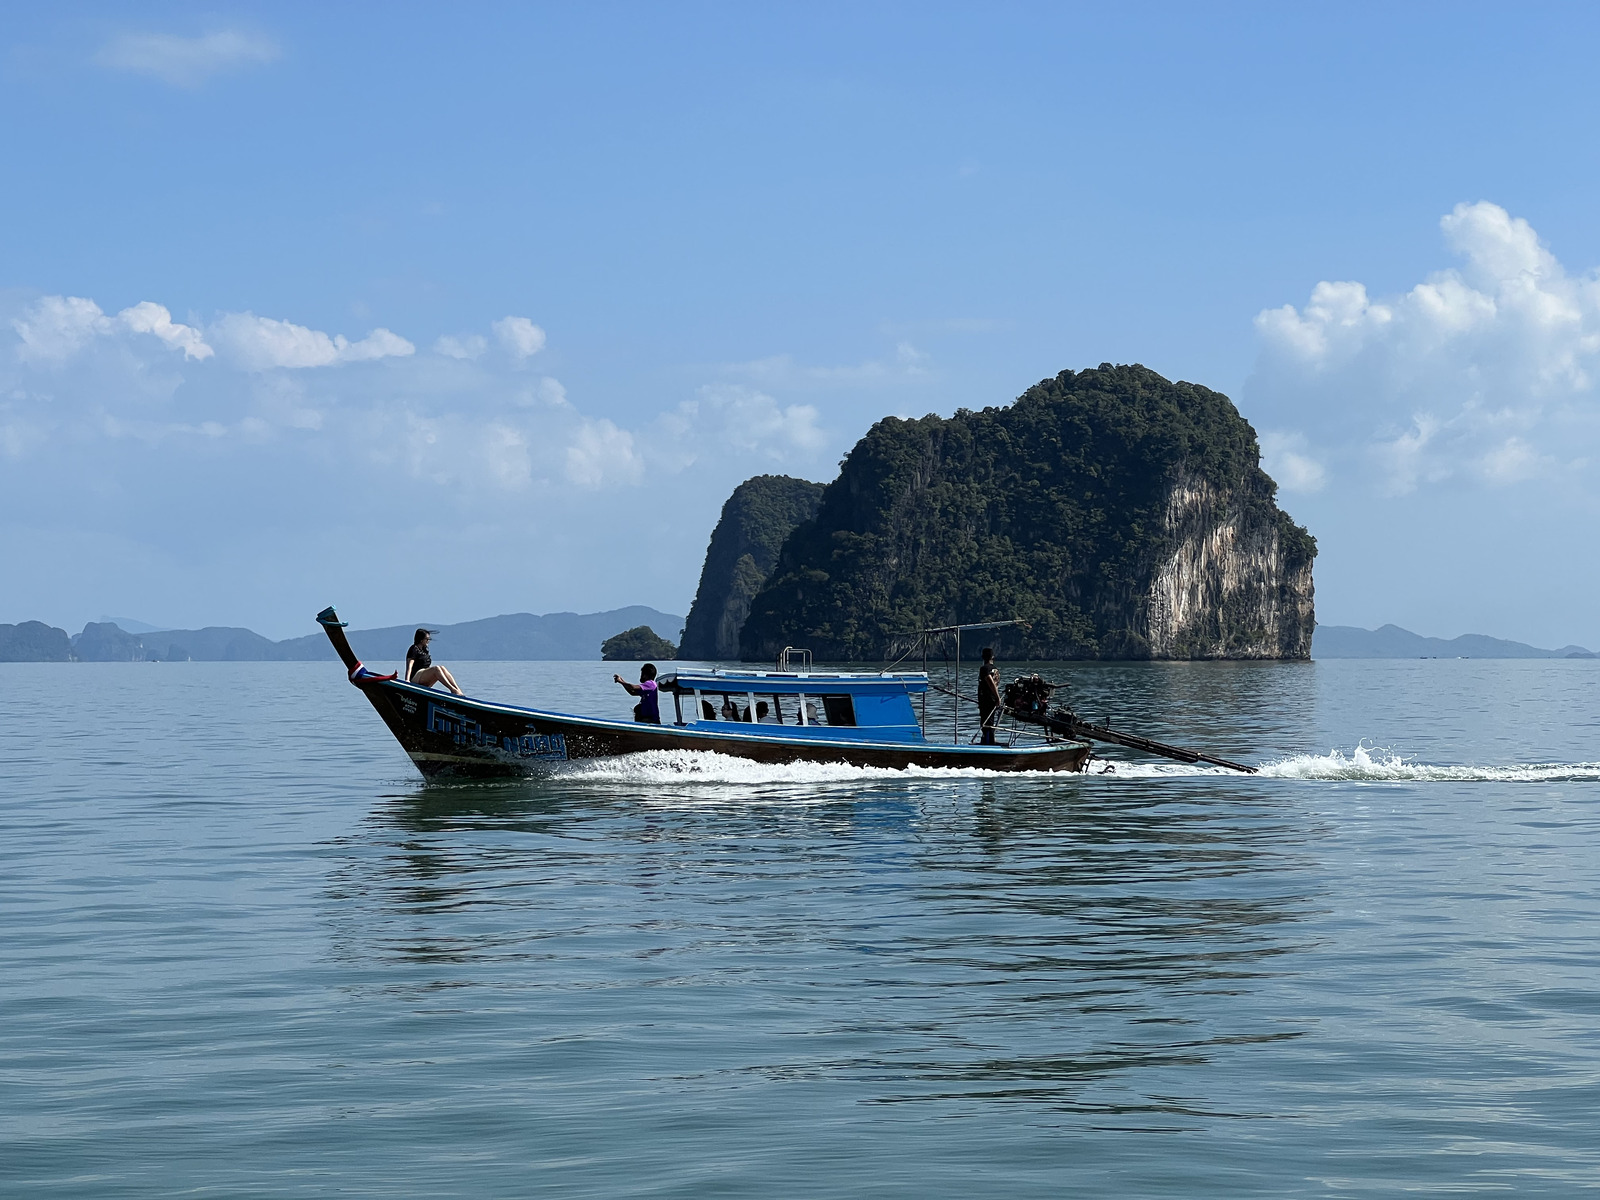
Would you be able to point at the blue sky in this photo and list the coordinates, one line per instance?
(442, 312)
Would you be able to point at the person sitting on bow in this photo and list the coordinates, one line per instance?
(419, 665)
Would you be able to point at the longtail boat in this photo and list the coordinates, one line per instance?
(782, 716)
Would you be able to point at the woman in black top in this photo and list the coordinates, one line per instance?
(419, 665)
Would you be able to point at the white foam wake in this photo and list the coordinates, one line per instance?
(1371, 765)
(1381, 765)
(673, 768)
(704, 766)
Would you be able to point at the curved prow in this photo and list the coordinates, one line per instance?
(334, 628)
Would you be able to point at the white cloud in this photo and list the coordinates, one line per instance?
(117, 433)
(553, 394)
(380, 343)
(187, 61)
(1499, 248)
(752, 421)
(466, 345)
(261, 343)
(491, 431)
(1338, 316)
(602, 454)
(1473, 374)
(520, 336)
(1514, 461)
(1404, 454)
(546, 393)
(148, 317)
(507, 453)
(782, 371)
(55, 328)
(1284, 457)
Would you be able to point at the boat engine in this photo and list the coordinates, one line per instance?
(1028, 699)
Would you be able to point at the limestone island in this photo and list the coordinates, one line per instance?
(1119, 514)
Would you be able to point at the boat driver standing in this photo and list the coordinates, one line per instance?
(988, 695)
(648, 710)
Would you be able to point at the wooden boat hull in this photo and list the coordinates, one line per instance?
(449, 735)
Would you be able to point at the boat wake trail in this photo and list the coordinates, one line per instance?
(1365, 764)
(1371, 765)
(702, 766)
(676, 768)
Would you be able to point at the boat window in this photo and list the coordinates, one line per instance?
(839, 709)
(729, 706)
(829, 710)
(773, 709)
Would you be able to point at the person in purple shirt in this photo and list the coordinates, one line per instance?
(648, 709)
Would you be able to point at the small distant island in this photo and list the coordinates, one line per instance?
(639, 644)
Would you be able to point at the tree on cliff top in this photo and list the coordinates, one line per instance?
(1052, 509)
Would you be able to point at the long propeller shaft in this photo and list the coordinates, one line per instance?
(1061, 721)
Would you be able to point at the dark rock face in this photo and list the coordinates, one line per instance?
(34, 641)
(760, 514)
(1120, 514)
(104, 642)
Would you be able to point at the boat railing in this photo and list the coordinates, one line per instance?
(790, 655)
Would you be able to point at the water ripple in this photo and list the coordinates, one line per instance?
(245, 951)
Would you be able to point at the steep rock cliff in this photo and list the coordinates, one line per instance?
(34, 641)
(760, 514)
(1230, 587)
(1120, 514)
(107, 642)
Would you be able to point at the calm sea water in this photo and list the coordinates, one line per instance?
(244, 951)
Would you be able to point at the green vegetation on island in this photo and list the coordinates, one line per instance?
(105, 641)
(1119, 514)
(755, 521)
(34, 641)
(639, 644)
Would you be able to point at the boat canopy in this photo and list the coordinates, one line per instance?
(822, 703)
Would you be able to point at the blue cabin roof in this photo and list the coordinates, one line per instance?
(823, 704)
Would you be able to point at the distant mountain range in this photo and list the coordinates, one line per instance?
(515, 637)
(570, 636)
(129, 625)
(1390, 641)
